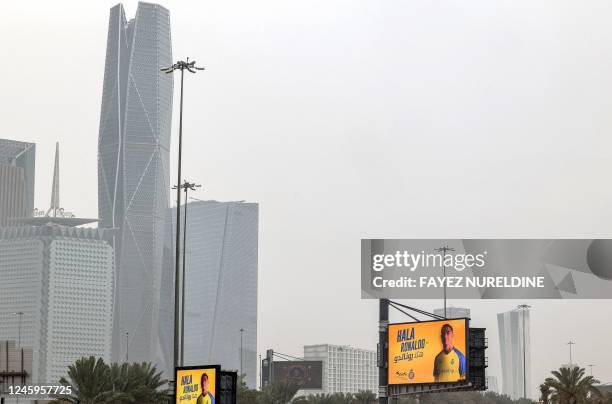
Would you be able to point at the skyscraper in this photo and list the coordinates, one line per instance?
(515, 349)
(17, 163)
(221, 286)
(67, 310)
(56, 288)
(133, 173)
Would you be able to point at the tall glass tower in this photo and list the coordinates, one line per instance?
(221, 286)
(133, 174)
(515, 349)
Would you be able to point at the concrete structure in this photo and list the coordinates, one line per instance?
(515, 349)
(453, 312)
(15, 365)
(221, 286)
(133, 175)
(61, 279)
(345, 369)
(17, 164)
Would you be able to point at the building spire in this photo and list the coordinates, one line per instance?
(55, 199)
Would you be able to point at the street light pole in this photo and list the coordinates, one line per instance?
(186, 186)
(20, 315)
(591, 366)
(241, 331)
(127, 346)
(190, 67)
(523, 308)
(444, 250)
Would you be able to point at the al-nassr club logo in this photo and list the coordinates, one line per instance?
(411, 374)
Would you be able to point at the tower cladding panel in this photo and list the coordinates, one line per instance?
(133, 174)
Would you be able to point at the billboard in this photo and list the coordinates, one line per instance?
(228, 383)
(429, 352)
(306, 374)
(197, 384)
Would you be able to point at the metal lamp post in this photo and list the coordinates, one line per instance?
(20, 315)
(444, 250)
(241, 331)
(186, 186)
(192, 68)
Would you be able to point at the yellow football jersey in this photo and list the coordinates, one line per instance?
(207, 399)
(449, 367)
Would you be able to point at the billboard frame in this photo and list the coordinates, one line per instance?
(456, 384)
(217, 369)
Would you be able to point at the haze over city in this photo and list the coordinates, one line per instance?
(349, 120)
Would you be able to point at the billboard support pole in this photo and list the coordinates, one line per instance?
(383, 350)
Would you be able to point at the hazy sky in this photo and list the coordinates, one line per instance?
(351, 119)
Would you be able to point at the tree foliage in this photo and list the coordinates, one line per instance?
(570, 386)
(92, 381)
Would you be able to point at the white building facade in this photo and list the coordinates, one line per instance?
(345, 369)
(515, 349)
(221, 264)
(61, 279)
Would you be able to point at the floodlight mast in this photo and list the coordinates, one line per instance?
(444, 250)
(192, 68)
(186, 186)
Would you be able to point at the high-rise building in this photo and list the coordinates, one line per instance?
(17, 163)
(56, 289)
(221, 286)
(61, 279)
(345, 369)
(515, 349)
(453, 312)
(133, 175)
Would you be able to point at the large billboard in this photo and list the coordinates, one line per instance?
(428, 352)
(306, 374)
(197, 384)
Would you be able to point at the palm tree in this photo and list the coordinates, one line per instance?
(93, 381)
(570, 386)
(145, 384)
(89, 382)
(544, 393)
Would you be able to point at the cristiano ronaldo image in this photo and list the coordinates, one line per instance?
(450, 364)
(206, 396)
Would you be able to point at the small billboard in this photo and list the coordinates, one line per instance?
(197, 384)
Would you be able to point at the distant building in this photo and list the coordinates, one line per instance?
(221, 286)
(17, 163)
(515, 349)
(134, 176)
(492, 384)
(345, 369)
(59, 279)
(453, 312)
(15, 365)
